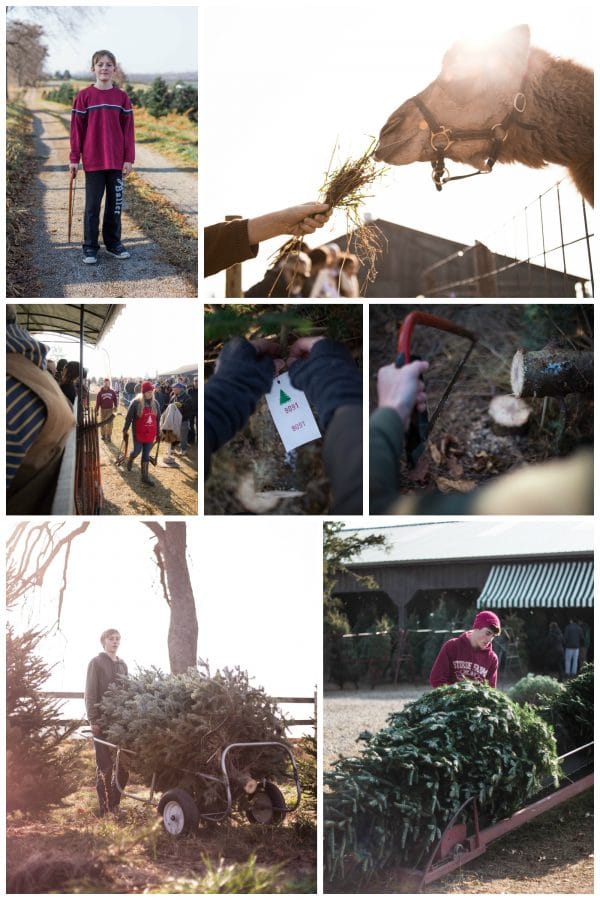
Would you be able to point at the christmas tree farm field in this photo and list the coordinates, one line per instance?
(69, 850)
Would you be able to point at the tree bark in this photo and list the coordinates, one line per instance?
(551, 372)
(170, 552)
(509, 415)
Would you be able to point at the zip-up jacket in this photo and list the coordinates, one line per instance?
(101, 673)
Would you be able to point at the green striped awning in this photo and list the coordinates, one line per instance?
(548, 584)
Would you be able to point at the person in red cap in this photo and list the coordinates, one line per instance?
(143, 417)
(470, 655)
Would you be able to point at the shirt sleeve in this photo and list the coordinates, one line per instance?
(128, 130)
(79, 119)
(440, 672)
(226, 243)
(492, 675)
(91, 692)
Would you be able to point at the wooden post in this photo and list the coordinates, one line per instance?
(233, 275)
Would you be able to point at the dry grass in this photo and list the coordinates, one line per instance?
(173, 135)
(20, 170)
(164, 225)
(345, 189)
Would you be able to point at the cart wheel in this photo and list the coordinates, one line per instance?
(266, 806)
(179, 812)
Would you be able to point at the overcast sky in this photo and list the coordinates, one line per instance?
(145, 39)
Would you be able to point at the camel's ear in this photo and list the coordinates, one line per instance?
(519, 38)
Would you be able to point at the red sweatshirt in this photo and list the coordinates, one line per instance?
(102, 129)
(458, 660)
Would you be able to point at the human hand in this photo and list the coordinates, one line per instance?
(127, 167)
(96, 730)
(73, 167)
(297, 220)
(301, 348)
(270, 347)
(402, 389)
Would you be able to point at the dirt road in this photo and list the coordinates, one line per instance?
(59, 266)
(175, 490)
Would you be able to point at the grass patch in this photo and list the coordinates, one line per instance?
(172, 135)
(20, 170)
(167, 227)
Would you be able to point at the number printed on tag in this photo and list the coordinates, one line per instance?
(291, 413)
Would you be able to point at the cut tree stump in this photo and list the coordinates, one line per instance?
(551, 372)
(509, 415)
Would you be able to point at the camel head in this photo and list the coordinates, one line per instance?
(474, 91)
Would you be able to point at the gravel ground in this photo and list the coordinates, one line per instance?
(347, 713)
(58, 263)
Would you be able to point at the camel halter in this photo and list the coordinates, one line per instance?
(442, 137)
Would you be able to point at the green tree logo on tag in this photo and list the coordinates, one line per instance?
(283, 397)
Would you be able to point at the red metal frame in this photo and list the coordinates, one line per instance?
(422, 318)
(456, 847)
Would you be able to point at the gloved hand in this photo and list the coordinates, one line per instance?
(325, 370)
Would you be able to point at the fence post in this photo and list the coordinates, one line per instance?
(233, 275)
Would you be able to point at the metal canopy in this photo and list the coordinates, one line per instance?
(65, 319)
(548, 584)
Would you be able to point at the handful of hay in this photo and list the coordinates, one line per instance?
(345, 189)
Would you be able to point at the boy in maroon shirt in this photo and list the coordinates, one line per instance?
(102, 136)
(470, 655)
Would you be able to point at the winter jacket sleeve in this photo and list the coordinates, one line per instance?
(343, 459)
(230, 396)
(441, 670)
(79, 120)
(330, 379)
(92, 691)
(131, 415)
(386, 446)
(127, 126)
(492, 675)
(226, 243)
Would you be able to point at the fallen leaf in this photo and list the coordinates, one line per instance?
(435, 453)
(447, 485)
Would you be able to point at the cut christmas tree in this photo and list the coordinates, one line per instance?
(178, 726)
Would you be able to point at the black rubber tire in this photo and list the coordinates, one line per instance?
(179, 812)
(266, 806)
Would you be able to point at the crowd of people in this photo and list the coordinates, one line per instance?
(324, 272)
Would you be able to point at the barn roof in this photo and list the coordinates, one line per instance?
(477, 539)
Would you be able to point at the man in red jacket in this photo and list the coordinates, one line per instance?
(470, 655)
(108, 403)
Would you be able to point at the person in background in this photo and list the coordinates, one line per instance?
(573, 638)
(585, 643)
(51, 366)
(108, 403)
(103, 670)
(143, 418)
(555, 651)
(193, 394)
(286, 279)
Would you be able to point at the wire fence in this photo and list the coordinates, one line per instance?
(545, 250)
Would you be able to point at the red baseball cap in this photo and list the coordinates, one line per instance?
(487, 619)
(147, 386)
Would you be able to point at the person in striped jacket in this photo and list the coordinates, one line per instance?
(102, 137)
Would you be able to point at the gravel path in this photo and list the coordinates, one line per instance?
(347, 713)
(58, 264)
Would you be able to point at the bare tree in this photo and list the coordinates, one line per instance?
(170, 552)
(30, 551)
(25, 53)
(32, 548)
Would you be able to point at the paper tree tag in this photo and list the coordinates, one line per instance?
(291, 413)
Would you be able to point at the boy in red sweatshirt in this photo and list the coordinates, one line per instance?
(102, 137)
(470, 655)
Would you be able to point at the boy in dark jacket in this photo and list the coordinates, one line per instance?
(104, 670)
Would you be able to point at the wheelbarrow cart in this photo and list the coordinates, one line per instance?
(181, 807)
